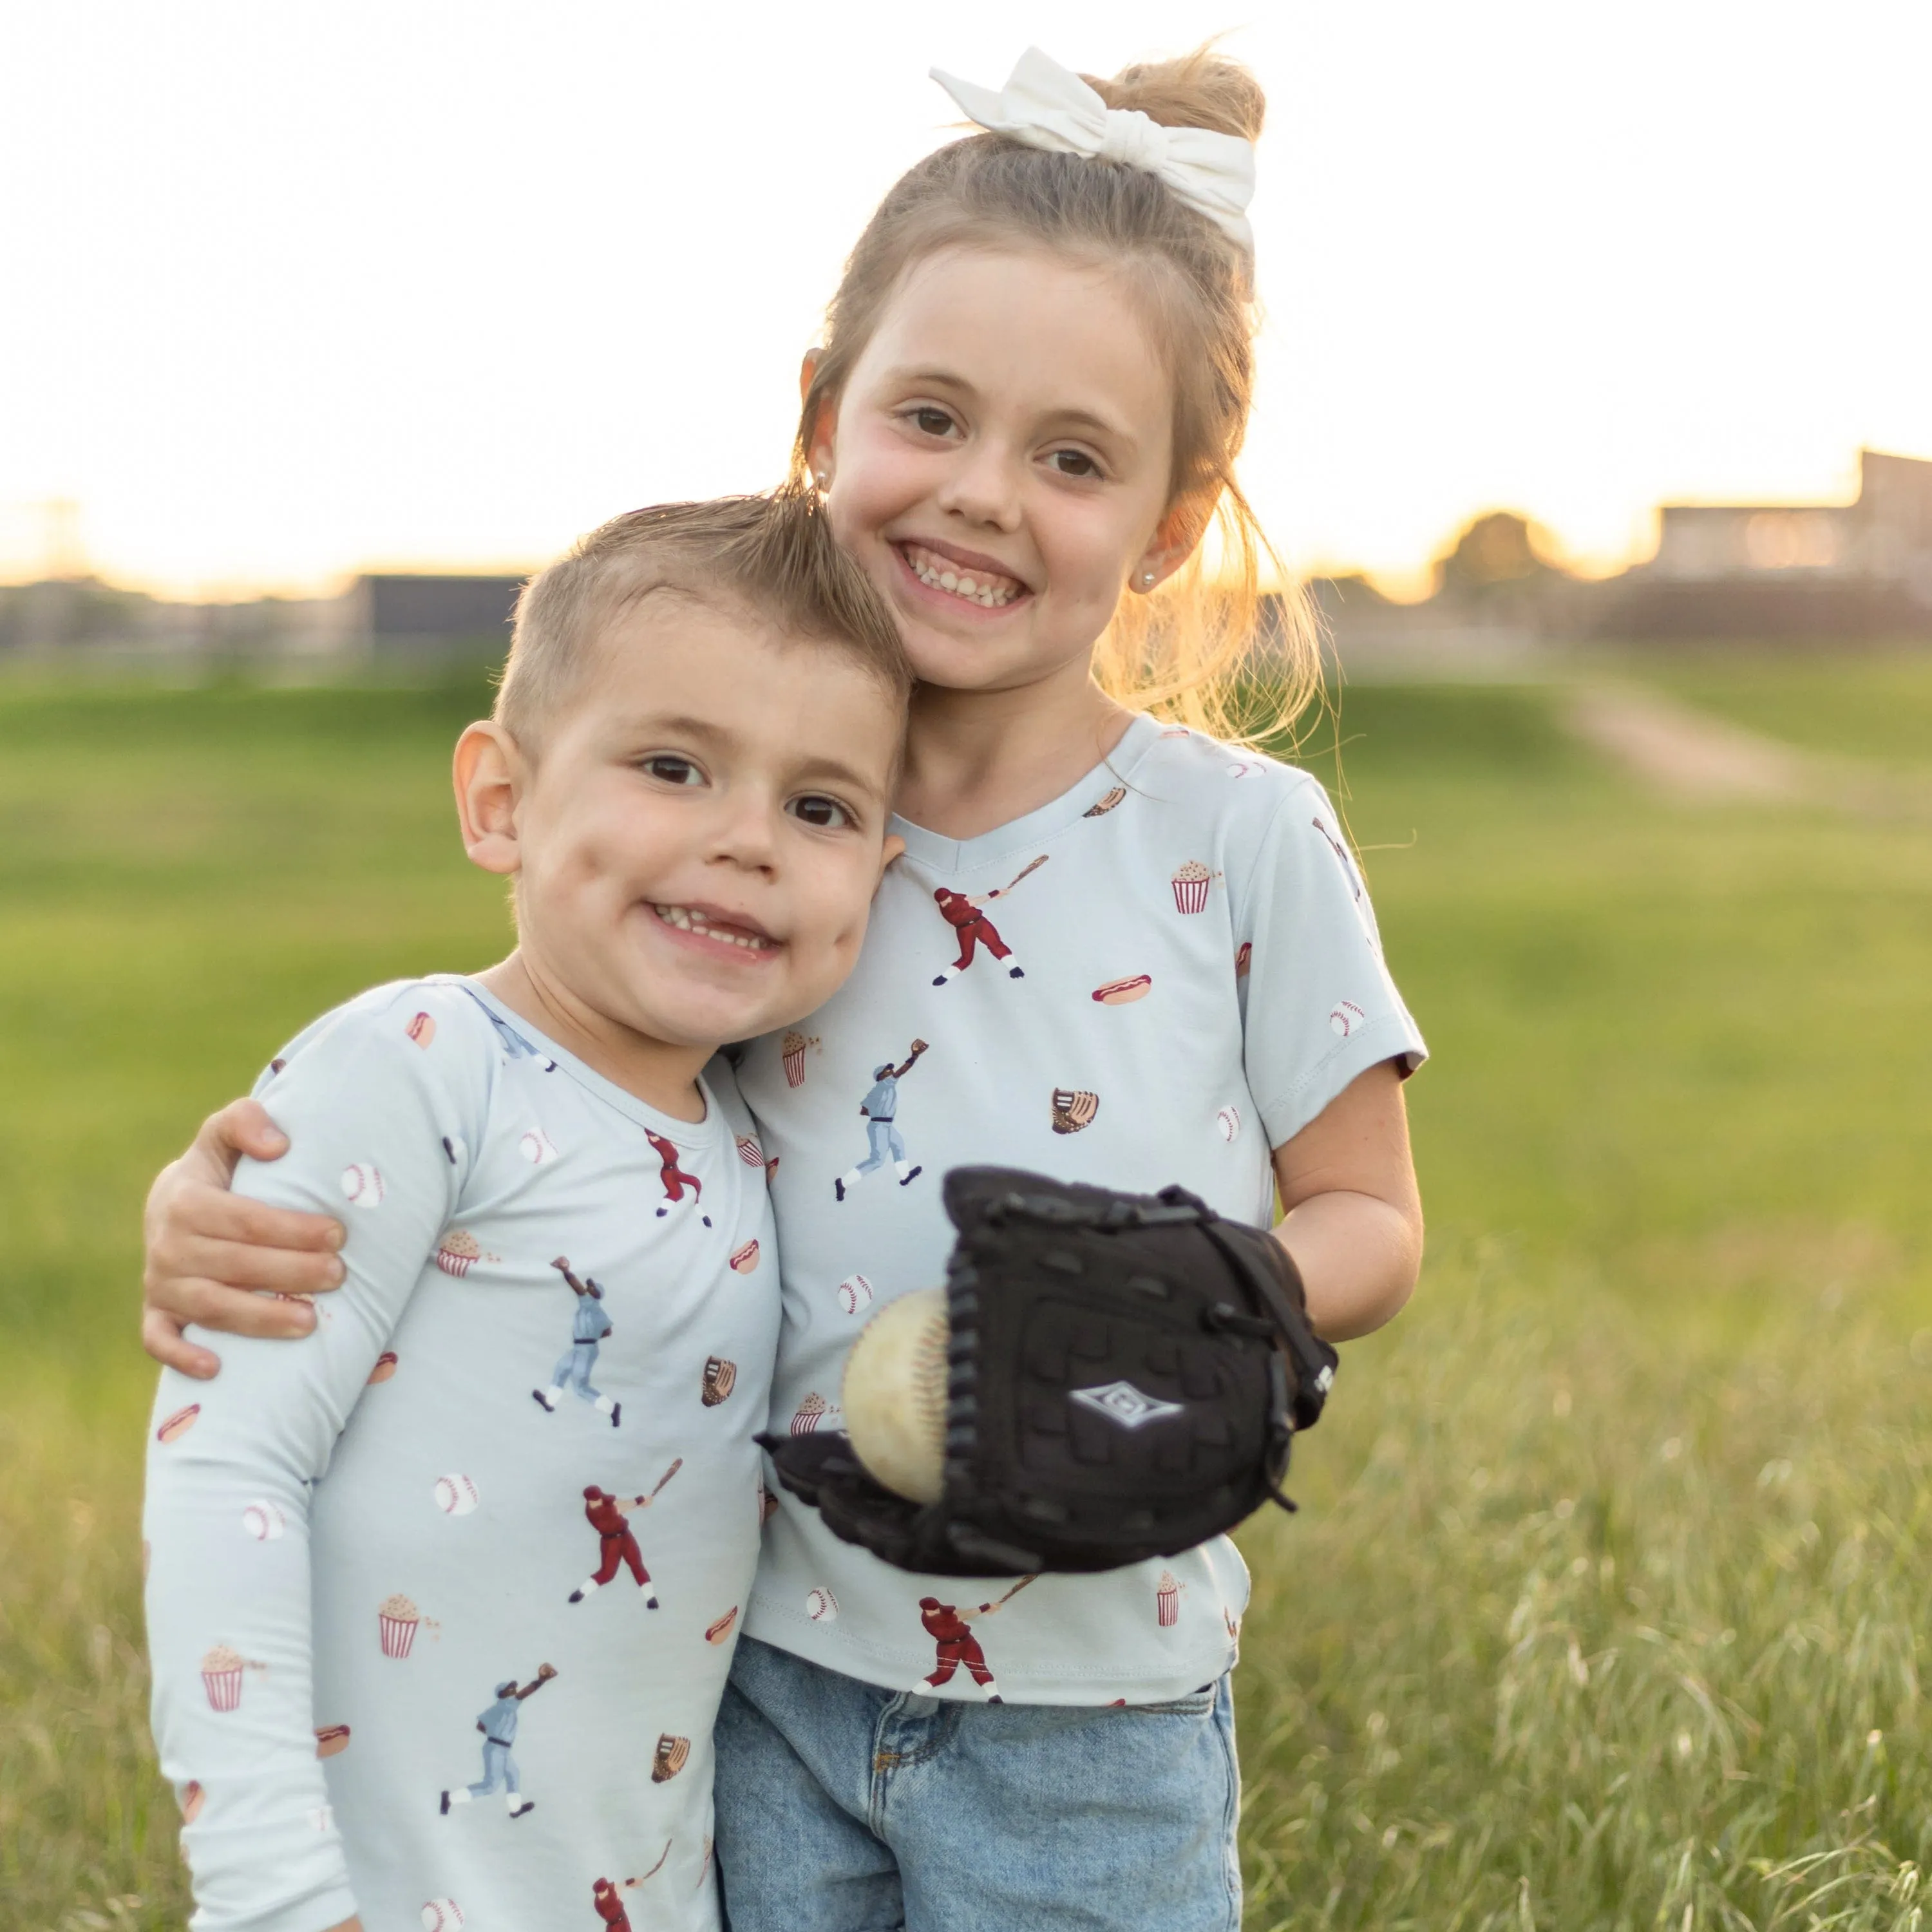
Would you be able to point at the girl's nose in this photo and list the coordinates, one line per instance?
(981, 488)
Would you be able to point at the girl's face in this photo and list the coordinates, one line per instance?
(1000, 463)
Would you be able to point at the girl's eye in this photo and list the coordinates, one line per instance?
(932, 422)
(668, 768)
(827, 814)
(1074, 462)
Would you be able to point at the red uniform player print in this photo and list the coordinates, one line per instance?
(965, 915)
(607, 1904)
(950, 1629)
(675, 1180)
(616, 1543)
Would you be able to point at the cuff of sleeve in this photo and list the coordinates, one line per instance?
(244, 1882)
(1392, 1036)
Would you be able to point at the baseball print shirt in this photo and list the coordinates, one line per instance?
(441, 1599)
(1160, 977)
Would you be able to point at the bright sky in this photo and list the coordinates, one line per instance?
(286, 290)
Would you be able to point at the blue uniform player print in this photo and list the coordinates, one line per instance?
(880, 1108)
(513, 1043)
(499, 1726)
(589, 1325)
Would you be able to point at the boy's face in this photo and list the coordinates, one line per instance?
(700, 839)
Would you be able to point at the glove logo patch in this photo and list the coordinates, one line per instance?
(1122, 1403)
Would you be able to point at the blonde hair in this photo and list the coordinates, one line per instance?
(1192, 649)
(772, 555)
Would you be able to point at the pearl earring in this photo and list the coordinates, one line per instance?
(823, 482)
(1147, 579)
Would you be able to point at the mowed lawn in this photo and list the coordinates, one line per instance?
(1606, 1605)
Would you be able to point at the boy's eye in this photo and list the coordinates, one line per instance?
(826, 813)
(670, 768)
(1074, 462)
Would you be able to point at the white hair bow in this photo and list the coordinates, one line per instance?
(1045, 106)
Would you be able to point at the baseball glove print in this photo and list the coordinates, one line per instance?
(1112, 1377)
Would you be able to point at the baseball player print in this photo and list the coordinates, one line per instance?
(589, 1325)
(499, 1726)
(950, 1629)
(607, 1904)
(616, 1543)
(675, 1180)
(967, 919)
(514, 1046)
(879, 1109)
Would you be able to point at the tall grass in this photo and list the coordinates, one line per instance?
(1605, 1608)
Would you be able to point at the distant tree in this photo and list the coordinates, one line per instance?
(1501, 547)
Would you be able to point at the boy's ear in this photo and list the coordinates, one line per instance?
(489, 774)
(1175, 539)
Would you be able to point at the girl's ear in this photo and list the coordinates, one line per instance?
(1175, 539)
(818, 453)
(490, 774)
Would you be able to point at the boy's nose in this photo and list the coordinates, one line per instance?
(745, 836)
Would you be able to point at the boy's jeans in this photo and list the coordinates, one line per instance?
(845, 1807)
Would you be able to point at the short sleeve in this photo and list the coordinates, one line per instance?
(1319, 1005)
(381, 1103)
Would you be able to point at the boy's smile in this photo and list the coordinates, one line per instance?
(695, 844)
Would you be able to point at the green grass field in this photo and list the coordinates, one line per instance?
(1606, 1607)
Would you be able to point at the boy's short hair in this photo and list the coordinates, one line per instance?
(771, 555)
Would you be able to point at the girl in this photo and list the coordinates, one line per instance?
(1136, 954)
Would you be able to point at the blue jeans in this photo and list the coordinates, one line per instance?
(843, 1807)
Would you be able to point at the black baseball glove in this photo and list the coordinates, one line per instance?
(1126, 1372)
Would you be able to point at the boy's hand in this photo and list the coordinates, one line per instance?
(208, 1249)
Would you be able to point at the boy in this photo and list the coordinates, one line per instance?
(356, 1542)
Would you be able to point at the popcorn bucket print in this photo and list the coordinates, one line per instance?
(1167, 1600)
(458, 1251)
(221, 1671)
(810, 1414)
(397, 1620)
(1190, 887)
(793, 1049)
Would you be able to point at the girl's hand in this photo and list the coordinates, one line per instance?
(207, 1250)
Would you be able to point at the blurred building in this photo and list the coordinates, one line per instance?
(1857, 570)
(409, 616)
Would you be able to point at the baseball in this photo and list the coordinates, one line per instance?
(537, 1147)
(1344, 1020)
(854, 1292)
(455, 1495)
(821, 1606)
(1229, 1119)
(263, 1521)
(362, 1186)
(894, 1395)
(442, 1915)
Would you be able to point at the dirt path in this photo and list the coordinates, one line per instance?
(1695, 756)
